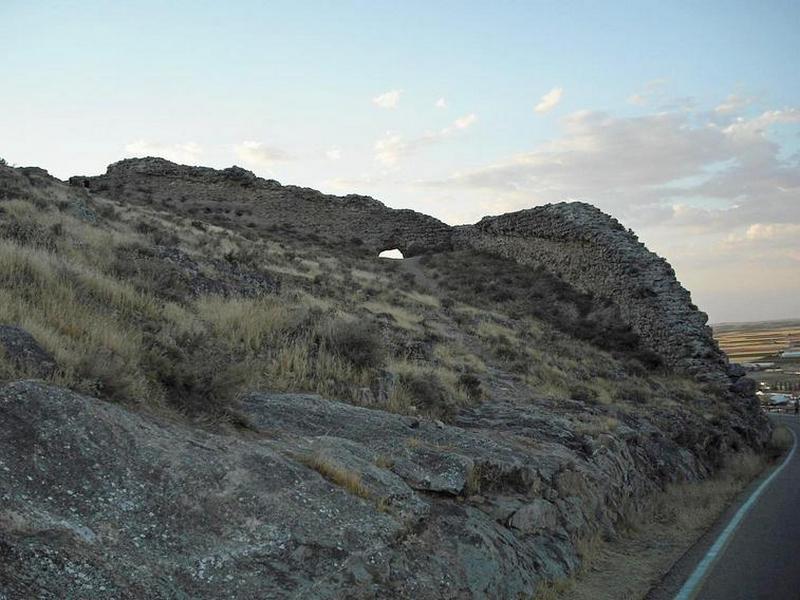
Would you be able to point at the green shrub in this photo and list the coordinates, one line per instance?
(583, 393)
(471, 385)
(634, 393)
(195, 380)
(28, 233)
(426, 391)
(357, 342)
(111, 376)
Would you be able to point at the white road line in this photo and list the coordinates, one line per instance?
(692, 585)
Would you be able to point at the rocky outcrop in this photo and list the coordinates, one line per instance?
(325, 500)
(596, 254)
(298, 496)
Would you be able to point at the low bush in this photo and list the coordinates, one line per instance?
(471, 385)
(358, 342)
(196, 380)
(29, 233)
(426, 391)
(583, 393)
(634, 393)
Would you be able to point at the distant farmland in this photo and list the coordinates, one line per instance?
(747, 342)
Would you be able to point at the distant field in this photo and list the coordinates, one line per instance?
(744, 342)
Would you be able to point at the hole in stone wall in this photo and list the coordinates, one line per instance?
(394, 253)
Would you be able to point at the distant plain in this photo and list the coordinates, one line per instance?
(748, 342)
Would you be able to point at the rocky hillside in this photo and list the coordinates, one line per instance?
(586, 248)
(213, 388)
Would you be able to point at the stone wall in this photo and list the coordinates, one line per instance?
(596, 254)
(237, 198)
(576, 241)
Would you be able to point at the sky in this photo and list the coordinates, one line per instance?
(681, 119)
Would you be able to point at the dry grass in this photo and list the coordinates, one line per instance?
(297, 364)
(346, 479)
(595, 425)
(248, 321)
(400, 316)
(384, 462)
(82, 318)
(653, 538)
(424, 389)
(456, 358)
(421, 299)
(489, 330)
(781, 440)
(117, 334)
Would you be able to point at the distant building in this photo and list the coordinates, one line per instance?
(779, 399)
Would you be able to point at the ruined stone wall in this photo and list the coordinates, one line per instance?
(576, 241)
(236, 198)
(596, 254)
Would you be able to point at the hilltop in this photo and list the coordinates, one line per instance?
(213, 387)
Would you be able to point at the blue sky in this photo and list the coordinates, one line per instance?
(680, 118)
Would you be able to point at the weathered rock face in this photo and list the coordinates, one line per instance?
(596, 254)
(310, 498)
(581, 244)
(100, 502)
(235, 196)
(24, 352)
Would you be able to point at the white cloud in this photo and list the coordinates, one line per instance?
(333, 154)
(637, 99)
(349, 184)
(550, 100)
(666, 167)
(773, 232)
(733, 104)
(392, 147)
(186, 153)
(258, 153)
(716, 194)
(390, 99)
(465, 122)
(754, 128)
(441, 103)
(652, 90)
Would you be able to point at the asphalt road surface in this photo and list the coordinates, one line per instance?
(756, 555)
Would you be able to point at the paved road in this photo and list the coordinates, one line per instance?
(761, 559)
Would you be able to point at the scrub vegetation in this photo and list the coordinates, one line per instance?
(142, 306)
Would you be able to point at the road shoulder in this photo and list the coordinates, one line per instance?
(672, 581)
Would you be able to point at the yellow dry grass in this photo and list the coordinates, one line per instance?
(627, 567)
(346, 479)
(435, 381)
(247, 321)
(403, 318)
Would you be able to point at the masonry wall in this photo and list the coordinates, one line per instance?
(577, 241)
(238, 199)
(596, 254)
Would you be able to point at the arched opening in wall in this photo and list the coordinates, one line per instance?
(394, 254)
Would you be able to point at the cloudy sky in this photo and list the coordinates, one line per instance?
(682, 119)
